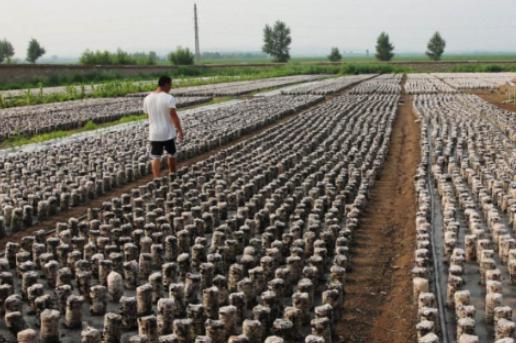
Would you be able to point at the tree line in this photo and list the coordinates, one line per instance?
(34, 51)
(181, 56)
(277, 39)
(276, 43)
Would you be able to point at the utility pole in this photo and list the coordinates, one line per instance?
(197, 48)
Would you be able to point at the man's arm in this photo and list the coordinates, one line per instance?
(177, 123)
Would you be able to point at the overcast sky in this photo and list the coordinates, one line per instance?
(68, 27)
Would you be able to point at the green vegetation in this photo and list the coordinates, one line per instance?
(276, 41)
(218, 100)
(335, 55)
(435, 47)
(373, 68)
(19, 140)
(34, 51)
(483, 68)
(257, 58)
(6, 51)
(104, 90)
(120, 57)
(182, 56)
(384, 48)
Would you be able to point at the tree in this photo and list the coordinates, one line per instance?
(335, 55)
(143, 58)
(435, 46)
(277, 41)
(384, 47)
(152, 58)
(34, 51)
(6, 51)
(182, 56)
(123, 58)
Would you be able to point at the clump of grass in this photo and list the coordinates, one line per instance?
(90, 125)
(130, 119)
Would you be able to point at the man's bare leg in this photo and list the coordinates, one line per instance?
(156, 167)
(171, 164)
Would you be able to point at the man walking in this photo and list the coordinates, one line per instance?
(160, 106)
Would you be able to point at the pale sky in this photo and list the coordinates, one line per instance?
(68, 27)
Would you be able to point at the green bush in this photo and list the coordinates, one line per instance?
(335, 55)
(181, 57)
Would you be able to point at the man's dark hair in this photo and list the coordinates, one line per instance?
(164, 81)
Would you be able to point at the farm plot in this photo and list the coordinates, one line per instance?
(426, 84)
(251, 242)
(243, 87)
(330, 86)
(382, 84)
(466, 221)
(31, 120)
(475, 81)
(88, 89)
(38, 184)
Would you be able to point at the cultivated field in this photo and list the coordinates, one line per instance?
(368, 208)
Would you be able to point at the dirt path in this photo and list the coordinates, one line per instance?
(378, 306)
(498, 98)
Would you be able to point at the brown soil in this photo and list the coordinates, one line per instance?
(379, 305)
(499, 97)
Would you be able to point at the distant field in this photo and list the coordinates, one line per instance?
(31, 76)
(371, 59)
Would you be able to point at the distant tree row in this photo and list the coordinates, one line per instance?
(384, 48)
(119, 57)
(181, 56)
(34, 51)
(277, 39)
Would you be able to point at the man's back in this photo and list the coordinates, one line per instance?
(157, 105)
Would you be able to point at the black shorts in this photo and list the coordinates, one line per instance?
(157, 148)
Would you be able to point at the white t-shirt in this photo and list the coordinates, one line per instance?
(157, 106)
